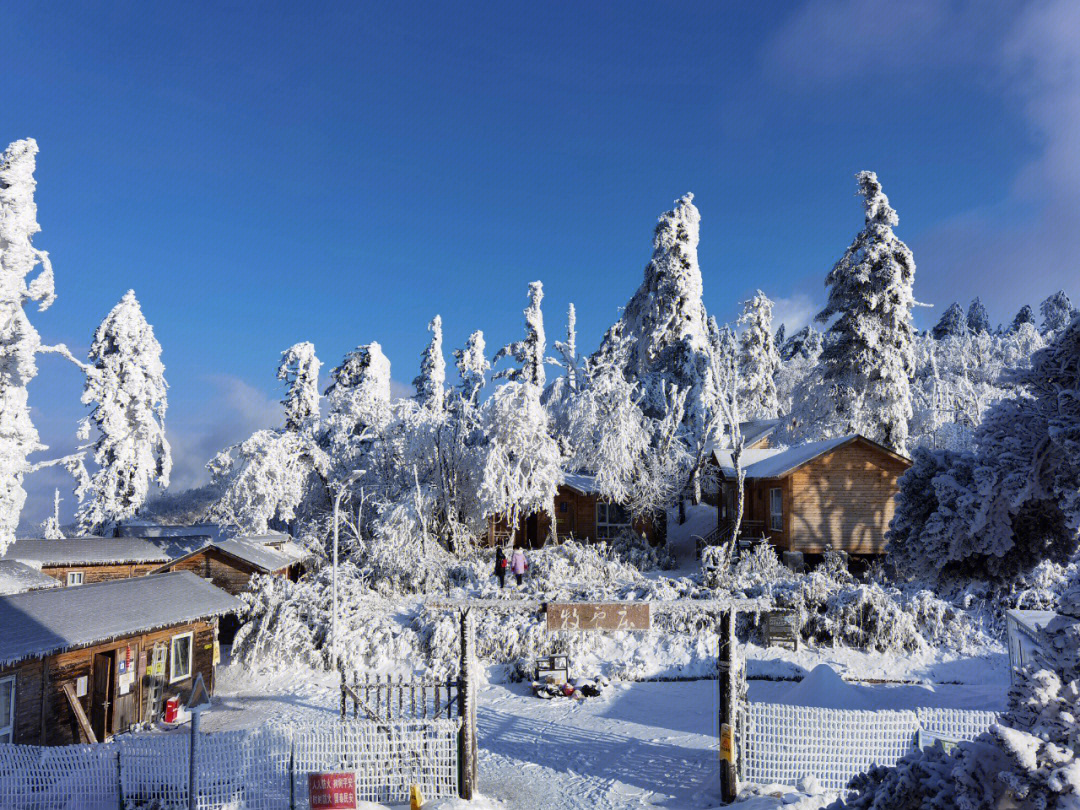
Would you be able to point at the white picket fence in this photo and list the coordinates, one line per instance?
(257, 769)
(781, 744)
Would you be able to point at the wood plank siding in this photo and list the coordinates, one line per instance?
(43, 715)
(227, 572)
(99, 573)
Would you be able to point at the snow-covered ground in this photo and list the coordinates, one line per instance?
(638, 745)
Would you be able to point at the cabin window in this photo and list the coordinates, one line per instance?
(180, 658)
(7, 709)
(612, 520)
(776, 509)
(75, 578)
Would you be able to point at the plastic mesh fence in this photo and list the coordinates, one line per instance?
(782, 744)
(236, 769)
(386, 758)
(82, 776)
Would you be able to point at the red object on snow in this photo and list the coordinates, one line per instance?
(172, 708)
(567, 689)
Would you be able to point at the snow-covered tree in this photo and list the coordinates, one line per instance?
(1024, 316)
(781, 336)
(19, 341)
(50, 527)
(1057, 311)
(759, 360)
(530, 351)
(867, 361)
(977, 319)
(568, 351)
(299, 370)
(270, 475)
(805, 344)
(125, 385)
(1000, 511)
(666, 324)
(431, 382)
(522, 465)
(357, 401)
(607, 431)
(953, 323)
(472, 365)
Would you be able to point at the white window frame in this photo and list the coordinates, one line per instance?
(605, 529)
(173, 677)
(7, 733)
(75, 578)
(776, 516)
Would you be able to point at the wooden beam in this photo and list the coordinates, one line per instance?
(80, 715)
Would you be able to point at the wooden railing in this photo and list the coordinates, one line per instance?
(388, 700)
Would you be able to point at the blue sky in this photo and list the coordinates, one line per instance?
(340, 174)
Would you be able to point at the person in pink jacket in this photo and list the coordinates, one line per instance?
(518, 564)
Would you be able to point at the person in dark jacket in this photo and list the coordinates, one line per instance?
(500, 566)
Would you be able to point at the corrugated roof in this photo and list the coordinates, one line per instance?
(85, 551)
(40, 623)
(262, 557)
(18, 577)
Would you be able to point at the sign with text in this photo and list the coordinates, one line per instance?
(332, 791)
(598, 616)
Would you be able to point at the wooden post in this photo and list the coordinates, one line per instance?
(342, 671)
(726, 672)
(467, 764)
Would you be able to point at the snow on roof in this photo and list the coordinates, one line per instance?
(778, 462)
(753, 431)
(18, 577)
(1032, 620)
(152, 530)
(43, 622)
(266, 539)
(85, 551)
(264, 558)
(585, 484)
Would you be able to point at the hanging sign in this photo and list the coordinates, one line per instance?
(332, 791)
(598, 616)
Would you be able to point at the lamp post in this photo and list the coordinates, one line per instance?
(353, 476)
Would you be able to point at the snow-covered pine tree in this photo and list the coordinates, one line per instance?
(759, 360)
(978, 321)
(1057, 311)
(299, 370)
(953, 323)
(781, 336)
(19, 341)
(804, 344)
(530, 351)
(126, 387)
(1025, 316)
(431, 382)
(472, 365)
(799, 359)
(357, 406)
(665, 322)
(868, 360)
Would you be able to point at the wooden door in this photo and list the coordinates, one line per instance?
(125, 711)
(102, 695)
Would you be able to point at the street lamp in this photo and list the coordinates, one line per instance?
(334, 610)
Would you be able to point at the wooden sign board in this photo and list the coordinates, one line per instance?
(598, 616)
(332, 791)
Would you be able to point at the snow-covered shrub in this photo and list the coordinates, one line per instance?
(635, 550)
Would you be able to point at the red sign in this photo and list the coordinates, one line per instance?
(332, 791)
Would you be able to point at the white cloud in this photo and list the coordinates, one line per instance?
(794, 311)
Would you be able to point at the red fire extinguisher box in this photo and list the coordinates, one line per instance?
(172, 708)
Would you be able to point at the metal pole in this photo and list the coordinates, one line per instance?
(192, 791)
(726, 670)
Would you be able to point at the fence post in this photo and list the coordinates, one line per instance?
(192, 787)
(726, 671)
(467, 765)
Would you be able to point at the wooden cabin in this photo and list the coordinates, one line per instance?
(230, 564)
(756, 435)
(83, 560)
(18, 577)
(834, 494)
(581, 513)
(82, 664)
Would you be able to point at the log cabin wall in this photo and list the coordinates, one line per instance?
(99, 573)
(845, 498)
(575, 515)
(43, 715)
(229, 573)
